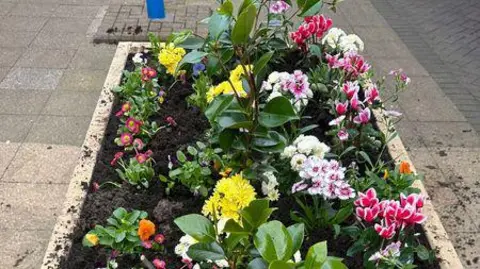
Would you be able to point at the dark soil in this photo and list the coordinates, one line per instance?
(162, 209)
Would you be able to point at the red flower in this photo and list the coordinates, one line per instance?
(159, 238)
(367, 199)
(386, 231)
(159, 264)
(341, 108)
(133, 125)
(117, 156)
(368, 213)
(148, 73)
(141, 157)
(171, 121)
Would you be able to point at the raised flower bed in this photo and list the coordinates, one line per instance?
(182, 169)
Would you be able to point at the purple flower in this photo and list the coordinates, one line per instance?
(197, 68)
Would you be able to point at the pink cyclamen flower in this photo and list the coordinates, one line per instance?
(368, 213)
(147, 244)
(133, 125)
(336, 121)
(332, 60)
(148, 73)
(363, 116)
(341, 108)
(413, 199)
(141, 157)
(171, 121)
(385, 231)
(159, 238)
(117, 156)
(372, 94)
(367, 199)
(350, 88)
(159, 264)
(138, 143)
(342, 134)
(354, 102)
(126, 139)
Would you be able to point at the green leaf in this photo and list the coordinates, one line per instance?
(244, 5)
(256, 213)
(315, 50)
(257, 263)
(206, 252)
(233, 239)
(218, 106)
(243, 26)
(333, 263)
(192, 43)
(226, 138)
(226, 8)
(193, 151)
(133, 216)
(273, 241)
(342, 214)
(234, 120)
(217, 24)
(192, 57)
(316, 256)
(422, 252)
(197, 226)
(297, 232)
(181, 157)
(281, 265)
(233, 227)
(262, 62)
(120, 213)
(311, 7)
(308, 128)
(120, 236)
(277, 112)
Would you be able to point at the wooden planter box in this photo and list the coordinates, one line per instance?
(61, 241)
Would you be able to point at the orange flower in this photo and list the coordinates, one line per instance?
(146, 229)
(405, 168)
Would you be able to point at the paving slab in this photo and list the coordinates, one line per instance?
(64, 130)
(26, 259)
(66, 25)
(82, 80)
(56, 40)
(15, 39)
(3, 72)
(459, 163)
(71, 103)
(21, 241)
(46, 58)
(447, 134)
(5, 7)
(26, 24)
(467, 245)
(38, 163)
(7, 152)
(33, 9)
(15, 127)
(76, 11)
(93, 58)
(28, 206)
(23, 102)
(9, 56)
(32, 78)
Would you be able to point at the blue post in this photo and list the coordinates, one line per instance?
(155, 9)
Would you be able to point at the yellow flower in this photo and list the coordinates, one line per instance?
(236, 74)
(386, 174)
(170, 56)
(230, 196)
(92, 238)
(226, 172)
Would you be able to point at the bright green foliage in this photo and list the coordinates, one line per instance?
(135, 173)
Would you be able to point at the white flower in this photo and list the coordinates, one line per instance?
(297, 161)
(196, 266)
(269, 186)
(297, 257)
(138, 59)
(274, 77)
(307, 143)
(332, 37)
(273, 95)
(274, 195)
(289, 151)
(185, 242)
(222, 263)
(320, 149)
(351, 43)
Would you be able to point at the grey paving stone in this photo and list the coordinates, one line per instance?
(447, 134)
(82, 80)
(76, 11)
(66, 25)
(411, 67)
(33, 9)
(3, 72)
(27, 24)
(35, 163)
(7, 152)
(32, 78)
(55, 40)
(59, 130)
(15, 39)
(32, 253)
(71, 103)
(95, 58)
(23, 102)
(373, 33)
(15, 127)
(27, 210)
(9, 56)
(466, 245)
(46, 58)
(5, 7)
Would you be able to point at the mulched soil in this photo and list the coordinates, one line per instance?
(164, 209)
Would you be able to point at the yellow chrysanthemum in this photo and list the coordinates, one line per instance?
(170, 56)
(230, 196)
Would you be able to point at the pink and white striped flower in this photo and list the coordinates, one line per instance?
(363, 116)
(350, 88)
(341, 108)
(342, 134)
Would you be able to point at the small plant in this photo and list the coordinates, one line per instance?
(194, 171)
(201, 86)
(138, 171)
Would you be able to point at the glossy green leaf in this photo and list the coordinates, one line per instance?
(197, 226)
(277, 112)
(120, 213)
(316, 256)
(217, 25)
(311, 7)
(281, 265)
(192, 57)
(273, 241)
(244, 25)
(257, 263)
(297, 233)
(256, 213)
(233, 227)
(226, 8)
(218, 106)
(206, 252)
(192, 43)
(262, 62)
